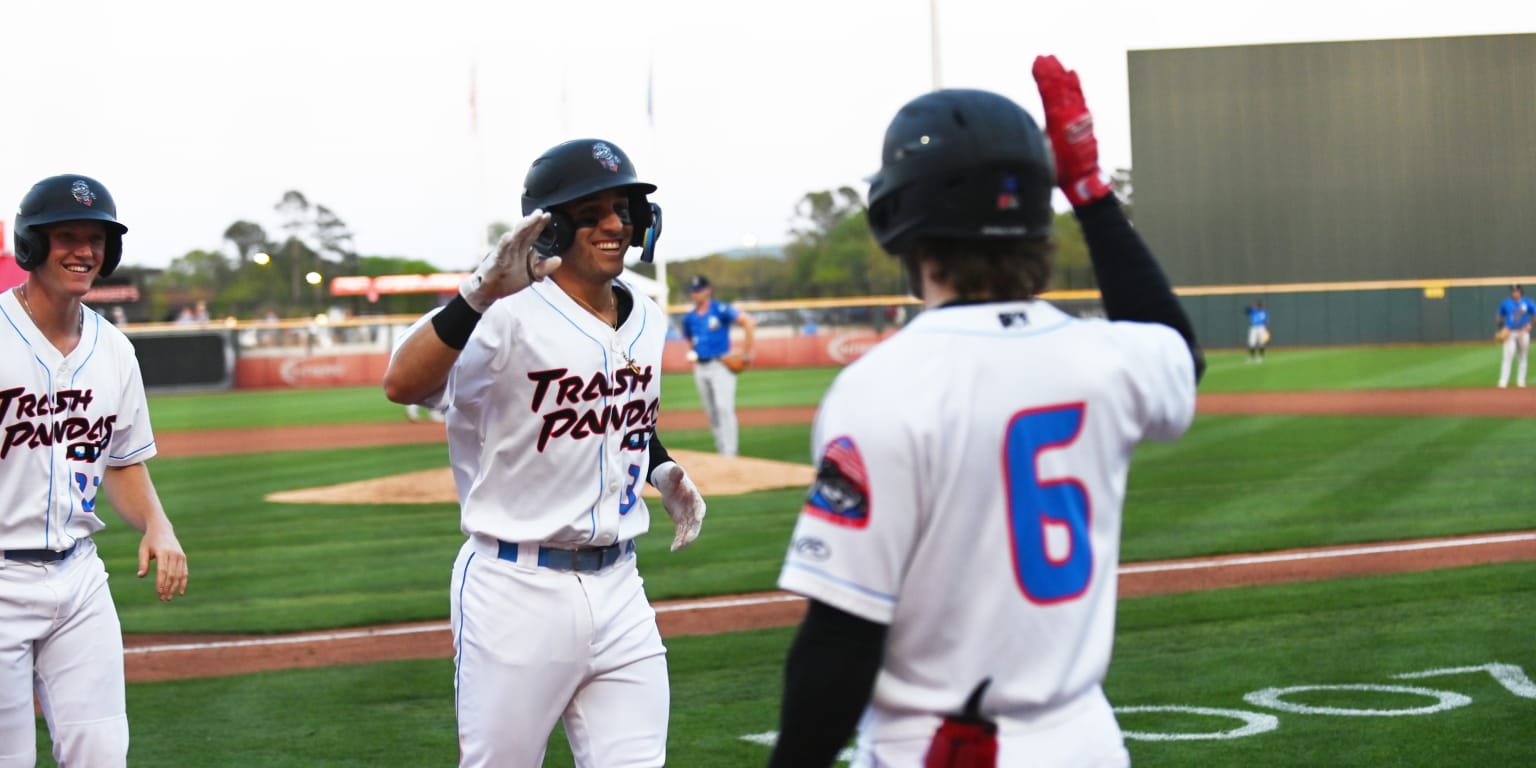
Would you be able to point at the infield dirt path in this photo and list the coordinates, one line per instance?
(161, 657)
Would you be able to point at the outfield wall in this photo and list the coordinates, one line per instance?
(1337, 161)
(302, 353)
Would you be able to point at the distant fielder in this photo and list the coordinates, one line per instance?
(75, 424)
(707, 327)
(960, 542)
(549, 365)
(1258, 331)
(1515, 314)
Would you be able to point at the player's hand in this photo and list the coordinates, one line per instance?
(682, 501)
(512, 266)
(1070, 128)
(160, 544)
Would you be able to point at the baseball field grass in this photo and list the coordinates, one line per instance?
(1331, 368)
(1233, 484)
(1192, 659)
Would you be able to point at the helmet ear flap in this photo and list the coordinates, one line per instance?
(557, 236)
(640, 217)
(31, 247)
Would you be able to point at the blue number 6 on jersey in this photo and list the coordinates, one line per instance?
(1038, 509)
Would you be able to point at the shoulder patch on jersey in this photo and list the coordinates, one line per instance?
(840, 493)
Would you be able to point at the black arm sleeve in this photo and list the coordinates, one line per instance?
(828, 678)
(659, 453)
(1131, 283)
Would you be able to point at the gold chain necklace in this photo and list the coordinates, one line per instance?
(628, 361)
(599, 315)
(21, 293)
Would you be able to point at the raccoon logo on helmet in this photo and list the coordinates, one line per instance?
(605, 157)
(82, 192)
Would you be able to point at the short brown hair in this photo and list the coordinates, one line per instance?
(991, 270)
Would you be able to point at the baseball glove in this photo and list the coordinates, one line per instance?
(735, 362)
(1264, 336)
(1500, 335)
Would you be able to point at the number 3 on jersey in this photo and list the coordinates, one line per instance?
(1048, 520)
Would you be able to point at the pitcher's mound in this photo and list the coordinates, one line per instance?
(714, 474)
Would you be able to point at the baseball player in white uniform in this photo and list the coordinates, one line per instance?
(960, 542)
(73, 424)
(552, 388)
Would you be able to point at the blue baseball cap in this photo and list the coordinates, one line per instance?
(698, 283)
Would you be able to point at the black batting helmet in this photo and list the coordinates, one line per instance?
(577, 168)
(965, 164)
(56, 199)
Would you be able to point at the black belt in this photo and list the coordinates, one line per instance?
(708, 359)
(589, 559)
(38, 555)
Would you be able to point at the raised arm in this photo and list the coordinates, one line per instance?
(420, 364)
(1131, 283)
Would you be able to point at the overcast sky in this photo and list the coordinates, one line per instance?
(196, 114)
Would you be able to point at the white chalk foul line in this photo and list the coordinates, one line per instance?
(357, 634)
(699, 605)
(702, 605)
(1323, 554)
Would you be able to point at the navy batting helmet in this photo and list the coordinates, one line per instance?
(56, 199)
(577, 168)
(965, 164)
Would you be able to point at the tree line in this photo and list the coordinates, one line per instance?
(831, 253)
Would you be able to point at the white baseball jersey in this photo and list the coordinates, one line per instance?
(63, 420)
(549, 417)
(548, 423)
(971, 474)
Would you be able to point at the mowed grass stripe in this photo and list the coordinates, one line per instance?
(1234, 484)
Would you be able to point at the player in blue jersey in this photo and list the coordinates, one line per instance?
(708, 328)
(1258, 331)
(1515, 315)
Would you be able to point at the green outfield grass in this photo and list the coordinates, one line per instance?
(1232, 484)
(1459, 365)
(1199, 650)
(1262, 483)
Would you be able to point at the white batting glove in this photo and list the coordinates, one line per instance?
(682, 501)
(512, 266)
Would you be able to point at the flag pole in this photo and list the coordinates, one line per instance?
(650, 121)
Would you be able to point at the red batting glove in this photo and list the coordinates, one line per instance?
(1070, 128)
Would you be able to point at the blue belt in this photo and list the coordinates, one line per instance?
(707, 359)
(38, 555)
(589, 559)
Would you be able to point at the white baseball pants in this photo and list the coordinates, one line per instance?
(60, 636)
(1518, 343)
(539, 645)
(717, 389)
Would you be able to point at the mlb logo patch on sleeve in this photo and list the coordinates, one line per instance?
(840, 493)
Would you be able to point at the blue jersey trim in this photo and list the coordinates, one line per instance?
(602, 445)
(842, 582)
(458, 668)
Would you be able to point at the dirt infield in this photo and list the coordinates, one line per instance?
(161, 657)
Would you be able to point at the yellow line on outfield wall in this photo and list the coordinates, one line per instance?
(1187, 290)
